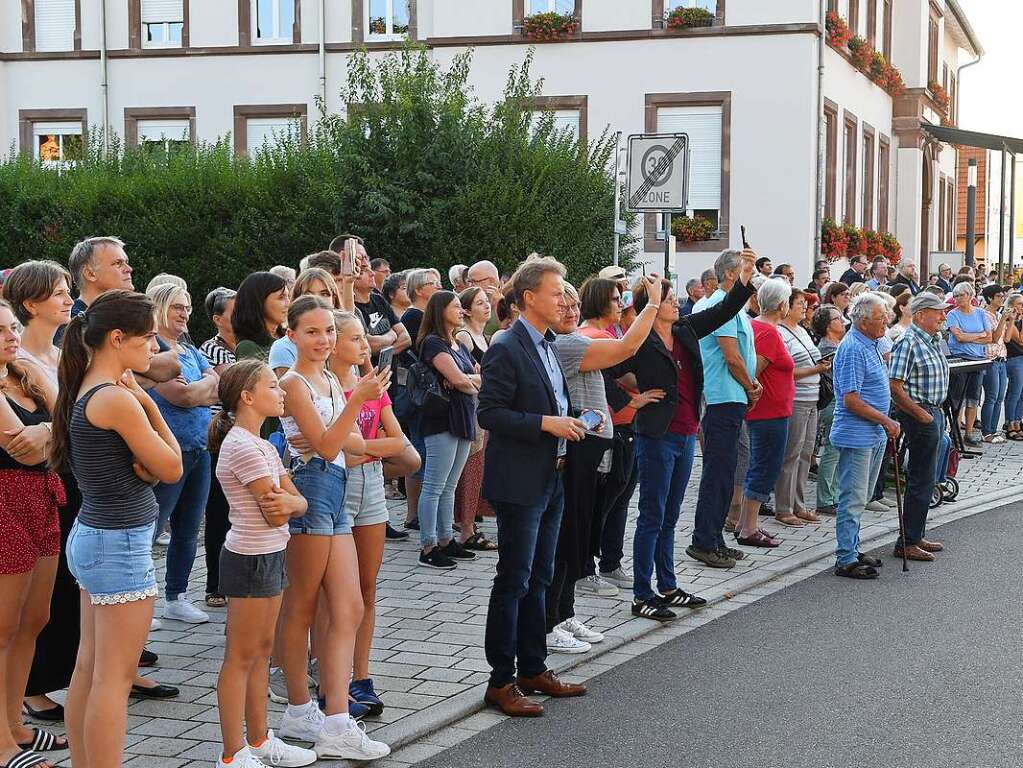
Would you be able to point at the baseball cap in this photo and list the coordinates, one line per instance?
(927, 300)
(612, 273)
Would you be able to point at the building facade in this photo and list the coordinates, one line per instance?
(784, 130)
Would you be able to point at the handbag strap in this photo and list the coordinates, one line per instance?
(801, 343)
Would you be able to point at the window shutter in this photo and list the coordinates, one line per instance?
(567, 119)
(67, 129)
(268, 129)
(160, 11)
(160, 130)
(703, 124)
(55, 25)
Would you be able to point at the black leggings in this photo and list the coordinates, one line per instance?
(217, 526)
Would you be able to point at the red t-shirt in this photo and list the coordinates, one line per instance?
(686, 420)
(777, 377)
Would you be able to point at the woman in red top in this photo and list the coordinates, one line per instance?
(768, 419)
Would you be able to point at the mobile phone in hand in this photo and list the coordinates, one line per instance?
(385, 358)
(591, 419)
(745, 242)
(348, 258)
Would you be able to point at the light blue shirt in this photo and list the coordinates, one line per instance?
(974, 322)
(719, 386)
(859, 368)
(873, 284)
(545, 348)
(283, 353)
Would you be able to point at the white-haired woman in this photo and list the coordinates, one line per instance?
(969, 334)
(184, 404)
(768, 420)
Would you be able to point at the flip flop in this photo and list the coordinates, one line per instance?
(789, 521)
(26, 758)
(44, 741)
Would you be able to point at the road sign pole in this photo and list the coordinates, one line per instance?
(618, 195)
(667, 244)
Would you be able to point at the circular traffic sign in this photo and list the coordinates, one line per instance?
(652, 173)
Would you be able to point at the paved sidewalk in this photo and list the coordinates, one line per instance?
(428, 658)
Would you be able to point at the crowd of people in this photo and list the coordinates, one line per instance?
(328, 389)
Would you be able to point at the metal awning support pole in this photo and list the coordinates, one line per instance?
(1012, 218)
(1001, 219)
(971, 210)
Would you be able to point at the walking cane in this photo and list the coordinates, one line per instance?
(898, 501)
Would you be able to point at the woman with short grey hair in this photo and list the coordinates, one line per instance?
(969, 334)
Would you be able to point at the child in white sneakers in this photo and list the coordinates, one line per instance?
(262, 500)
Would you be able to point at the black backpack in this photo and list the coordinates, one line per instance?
(424, 387)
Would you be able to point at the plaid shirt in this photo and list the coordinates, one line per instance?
(918, 363)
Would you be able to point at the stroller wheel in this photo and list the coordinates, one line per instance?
(937, 496)
(949, 489)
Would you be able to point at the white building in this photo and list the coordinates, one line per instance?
(748, 90)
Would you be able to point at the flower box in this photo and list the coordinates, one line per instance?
(686, 18)
(892, 248)
(550, 26)
(838, 30)
(692, 230)
(857, 243)
(861, 53)
(834, 244)
(940, 96)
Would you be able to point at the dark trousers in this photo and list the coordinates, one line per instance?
(921, 440)
(576, 522)
(217, 526)
(721, 425)
(607, 539)
(516, 618)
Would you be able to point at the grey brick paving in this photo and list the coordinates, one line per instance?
(429, 645)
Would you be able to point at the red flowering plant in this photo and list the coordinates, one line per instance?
(838, 30)
(892, 249)
(893, 82)
(550, 26)
(684, 18)
(857, 243)
(861, 53)
(692, 230)
(834, 244)
(940, 96)
(874, 243)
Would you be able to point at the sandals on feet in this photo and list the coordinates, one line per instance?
(479, 543)
(790, 521)
(758, 539)
(26, 758)
(44, 741)
(216, 600)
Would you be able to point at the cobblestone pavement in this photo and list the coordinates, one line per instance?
(428, 660)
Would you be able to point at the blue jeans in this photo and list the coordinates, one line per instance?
(527, 537)
(995, 382)
(857, 473)
(767, 439)
(721, 424)
(1014, 388)
(183, 504)
(664, 467)
(445, 460)
(827, 464)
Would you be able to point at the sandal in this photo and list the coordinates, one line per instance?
(479, 543)
(26, 758)
(216, 600)
(758, 539)
(729, 526)
(807, 516)
(44, 741)
(857, 570)
(54, 714)
(790, 521)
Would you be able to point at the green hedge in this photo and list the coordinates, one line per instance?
(427, 174)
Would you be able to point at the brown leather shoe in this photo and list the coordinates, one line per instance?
(930, 546)
(512, 701)
(548, 683)
(913, 552)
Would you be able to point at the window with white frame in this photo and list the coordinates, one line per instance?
(273, 21)
(164, 136)
(55, 25)
(564, 7)
(57, 145)
(563, 119)
(163, 22)
(707, 5)
(265, 132)
(387, 19)
(703, 126)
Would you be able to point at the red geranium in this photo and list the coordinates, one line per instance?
(838, 30)
(834, 244)
(857, 243)
(861, 53)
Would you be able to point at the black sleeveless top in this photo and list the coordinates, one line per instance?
(113, 496)
(29, 419)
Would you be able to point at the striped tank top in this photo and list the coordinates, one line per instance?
(113, 496)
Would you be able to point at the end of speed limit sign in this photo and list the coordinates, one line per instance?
(658, 172)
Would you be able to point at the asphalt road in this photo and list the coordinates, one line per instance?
(919, 669)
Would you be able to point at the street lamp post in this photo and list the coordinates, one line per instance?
(971, 210)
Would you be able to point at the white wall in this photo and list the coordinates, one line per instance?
(909, 41)
(213, 23)
(458, 18)
(909, 164)
(599, 15)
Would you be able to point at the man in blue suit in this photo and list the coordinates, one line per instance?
(524, 404)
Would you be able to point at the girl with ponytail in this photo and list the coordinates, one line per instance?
(111, 435)
(262, 499)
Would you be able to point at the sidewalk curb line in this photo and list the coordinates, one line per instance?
(470, 702)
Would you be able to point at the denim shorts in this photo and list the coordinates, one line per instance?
(114, 565)
(767, 439)
(323, 485)
(365, 501)
(252, 575)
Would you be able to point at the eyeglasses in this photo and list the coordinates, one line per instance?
(184, 309)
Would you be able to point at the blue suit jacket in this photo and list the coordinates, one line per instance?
(515, 396)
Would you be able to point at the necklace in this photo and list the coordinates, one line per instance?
(3, 372)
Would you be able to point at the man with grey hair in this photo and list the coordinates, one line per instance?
(694, 290)
(918, 378)
(861, 428)
(456, 276)
(730, 387)
(709, 281)
(908, 275)
(944, 280)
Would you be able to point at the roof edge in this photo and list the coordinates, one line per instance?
(964, 24)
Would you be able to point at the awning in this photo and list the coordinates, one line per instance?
(974, 139)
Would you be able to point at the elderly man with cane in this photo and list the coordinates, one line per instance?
(861, 428)
(919, 385)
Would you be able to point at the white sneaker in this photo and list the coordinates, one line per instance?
(618, 577)
(275, 752)
(580, 631)
(243, 758)
(155, 625)
(594, 585)
(560, 641)
(305, 727)
(876, 506)
(163, 540)
(183, 610)
(278, 686)
(352, 744)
